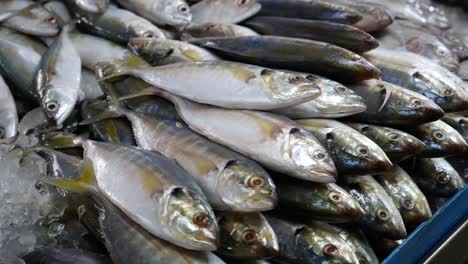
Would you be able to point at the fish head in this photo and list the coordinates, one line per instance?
(246, 235)
(340, 204)
(283, 84)
(435, 50)
(151, 50)
(442, 139)
(414, 208)
(441, 177)
(306, 152)
(246, 187)
(37, 21)
(57, 105)
(175, 12)
(92, 6)
(192, 219)
(338, 100)
(454, 43)
(359, 64)
(139, 29)
(240, 9)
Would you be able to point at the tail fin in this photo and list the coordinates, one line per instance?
(59, 140)
(84, 184)
(110, 71)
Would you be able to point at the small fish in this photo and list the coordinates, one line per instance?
(389, 104)
(159, 52)
(224, 11)
(352, 153)
(440, 139)
(423, 76)
(435, 176)
(358, 242)
(397, 144)
(58, 79)
(174, 13)
(294, 54)
(225, 84)
(381, 215)
(326, 202)
(64, 256)
(8, 113)
(246, 236)
(309, 244)
(406, 195)
(93, 7)
(335, 100)
(460, 123)
(312, 10)
(341, 35)
(212, 29)
(121, 25)
(374, 18)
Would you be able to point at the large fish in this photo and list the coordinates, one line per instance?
(459, 122)
(294, 54)
(423, 76)
(225, 84)
(152, 190)
(212, 29)
(389, 104)
(341, 35)
(224, 11)
(406, 195)
(381, 215)
(246, 236)
(397, 144)
(8, 113)
(304, 244)
(352, 153)
(64, 256)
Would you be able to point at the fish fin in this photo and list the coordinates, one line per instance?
(110, 71)
(84, 184)
(388, 93)
(60, 140)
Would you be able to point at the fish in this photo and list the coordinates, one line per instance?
(89, 7)
(381, 215)
(223, 83)
(29, 18)
(440, 139)
(406, 195)
(158, 195)
(342, 35)
(20, 56)
(435, 176)
(396, 144)
(382, 246)
(311, 10)
(423, 76)
(33, 121)
(335, 100)
(60, 11)
(8, 113)
(64, 256)
(174, 13)
(352, 153)
(89, 85)
(246, 236)
(408, 36)
(326, 202)
(159, 52)
(459, 164)
(460, 123)
(374, 18)
(393, 105)
(296, 54)
(59, 164)
(358, 242)
(58, 79)
(300, 243)
(224, 11)
(120, 25)
(212, 29)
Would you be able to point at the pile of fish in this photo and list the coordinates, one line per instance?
(234, 131)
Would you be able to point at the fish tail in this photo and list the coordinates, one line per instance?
(113, 110)
(109, 71)
(84, 184)
(59, 140)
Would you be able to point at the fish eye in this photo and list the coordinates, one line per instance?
(363, 260)
(320, 155)
(439, 135)
(407, 203)
(335, 197)
(365, 129)
(329, 136)
(256, 182)
(209, 27)
(310, 77)
(183, 8)
(295, 79)
(148, 34)
(393, 136)
(363, 151)
(448, 92)
(2, 132)
(201, 219)
(330, 250)
(441, 52)
(416, 102)
(442, 177)
(242, 2)
(52, 19)
(340, 89)
(382, 214)
(249, 236)
(51, 106)
(462, 122)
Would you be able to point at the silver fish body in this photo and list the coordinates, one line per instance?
(89, 85)
(358, 242)
(8, 114)
(224, 11)
(89, 7)
(212, 29)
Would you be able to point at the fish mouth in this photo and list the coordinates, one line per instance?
(136, 44)
(324, 175)
(396, 233)
(205, 240)
(432, 113)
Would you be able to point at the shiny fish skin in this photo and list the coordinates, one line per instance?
(89, 85)
(440, 139)
(460, 123)
(398, 145)
(8, 113)
(352, 153)
(314, 10)
(389, 104)
(225, 84)
(435, 176)
(358, 242)
(374, 18)
(166, 51)
(335, 100)
(421, 75)
(60, 11)
(89, 7)
(161, 12)
(224, 11)
(246, 236)
(381, 215)
(121, 25)
(58, 79)
(211, 29)
(341, 35)
(32, 121)
(64, 256)
(406, 195)
(294, 54)
(59, 164)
